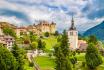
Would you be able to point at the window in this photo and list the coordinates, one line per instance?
(71, 33)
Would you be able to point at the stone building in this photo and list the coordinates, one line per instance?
(45, 26)
(38, 29)
(73, 36)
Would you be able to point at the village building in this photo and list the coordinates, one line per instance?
(20, 31)
(7, 41)
(82, 45)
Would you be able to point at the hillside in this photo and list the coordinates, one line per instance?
(98, 31)
(6, 24)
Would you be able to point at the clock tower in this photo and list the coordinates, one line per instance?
(73, 36)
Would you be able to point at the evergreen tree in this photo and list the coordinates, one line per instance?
(56, 33)
(41, 45)
(92, 57)
(7, 60)
(19, 55)
(92, 39)
(62, 54)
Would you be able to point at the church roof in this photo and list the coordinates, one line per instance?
(72, 25)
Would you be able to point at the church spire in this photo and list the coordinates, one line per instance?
(72, 24)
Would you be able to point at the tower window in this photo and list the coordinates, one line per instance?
(71, 33)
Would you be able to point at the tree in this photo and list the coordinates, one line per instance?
(92, 39)
(93, 59)
(41, 45)
(26, 39)
(73, 61)
(34, 45)
(7, 60)
(2, 64)
(56, 33)
(9, 31)
(61, 54)
(32, 36)
(46, 34)
(64, 44)
(19, 55)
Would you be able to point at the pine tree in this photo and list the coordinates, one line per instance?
(92, 57)
(62, 54)
(41, 45)
(64, 44)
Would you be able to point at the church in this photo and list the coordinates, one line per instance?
(73, 36)
(74, 43)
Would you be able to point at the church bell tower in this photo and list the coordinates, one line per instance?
(73, 36)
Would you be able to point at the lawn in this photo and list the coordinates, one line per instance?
(45, 62)
(26, 65)
(50, 42)
(81, 58)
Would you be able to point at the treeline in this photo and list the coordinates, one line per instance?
(11, 60)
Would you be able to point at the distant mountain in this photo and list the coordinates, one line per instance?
(98, 31)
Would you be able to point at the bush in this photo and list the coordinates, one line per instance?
(34, 45)
(50, 55)
(56, 33)
(46, 34)
(73, 61)
(31, 64)
(83, 64)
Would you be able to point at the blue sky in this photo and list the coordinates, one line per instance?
(87, 13)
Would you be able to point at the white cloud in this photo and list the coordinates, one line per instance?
(45, 12)
(12, 20)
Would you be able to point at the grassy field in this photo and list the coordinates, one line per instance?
(26, 66)
(47, 63)
(50, 42)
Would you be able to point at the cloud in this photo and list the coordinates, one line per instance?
(10, 13)
(86, 12)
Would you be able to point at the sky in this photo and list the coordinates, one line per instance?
(87, 13)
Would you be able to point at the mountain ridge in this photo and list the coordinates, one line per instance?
(97, 30)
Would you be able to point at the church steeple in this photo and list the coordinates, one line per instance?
(72, 24)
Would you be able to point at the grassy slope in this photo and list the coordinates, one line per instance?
(50, 42)
(45, 63)
(26, 66)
